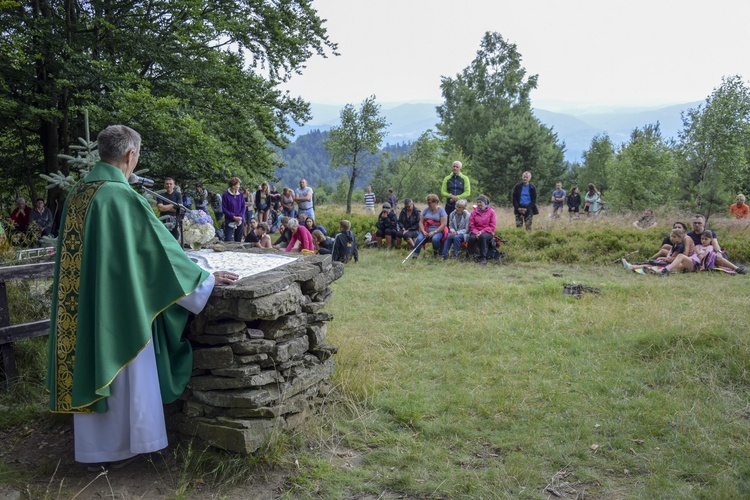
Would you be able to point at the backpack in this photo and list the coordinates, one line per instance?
(494, 253)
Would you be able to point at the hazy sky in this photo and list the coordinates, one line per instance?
(586, 52)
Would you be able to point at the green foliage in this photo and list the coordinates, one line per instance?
(354, 144)
(643, 173)
(199, 80)
(330, 217)
(522, 143)
(487, 114)
(484, 94)
(597, 164)
(415, 173)
(715, 147)
(307, 158)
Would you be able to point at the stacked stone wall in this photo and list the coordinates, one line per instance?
(260, 356)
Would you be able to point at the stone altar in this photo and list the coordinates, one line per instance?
(260, 356)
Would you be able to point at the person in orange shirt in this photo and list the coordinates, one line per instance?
(740, 210)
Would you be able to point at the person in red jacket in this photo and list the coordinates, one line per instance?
(20, 216)
(482, 223)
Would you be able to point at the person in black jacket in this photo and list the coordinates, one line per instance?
(387, 226)
(345, 244)
(524, 201)
(408, 222)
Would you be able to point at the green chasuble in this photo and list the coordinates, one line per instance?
(118, 274)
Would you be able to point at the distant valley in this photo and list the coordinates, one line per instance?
(409, 120)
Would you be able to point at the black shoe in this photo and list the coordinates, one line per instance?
(483, 261)
(742, 270)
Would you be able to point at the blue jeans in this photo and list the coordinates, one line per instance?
(436, 239)
(455, 241)
(307, 211)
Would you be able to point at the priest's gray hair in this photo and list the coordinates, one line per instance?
(115, 141)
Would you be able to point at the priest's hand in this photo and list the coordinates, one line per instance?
(225, 277)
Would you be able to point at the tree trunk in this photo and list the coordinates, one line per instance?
(351, 190)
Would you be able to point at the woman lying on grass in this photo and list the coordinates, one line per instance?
(704, 259)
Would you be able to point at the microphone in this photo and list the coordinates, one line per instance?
(143, 181)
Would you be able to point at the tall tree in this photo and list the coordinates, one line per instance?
(643, 173)
(597, 162)
(522, 143)
(715, 145)
(356, 140)
(416, 172)
(484, 94)
(487, 115)
(198, 78)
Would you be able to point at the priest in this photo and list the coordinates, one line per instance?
(121, 295)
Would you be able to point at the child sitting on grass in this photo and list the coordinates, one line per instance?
(345, 244)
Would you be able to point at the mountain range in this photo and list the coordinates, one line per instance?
(576, 127)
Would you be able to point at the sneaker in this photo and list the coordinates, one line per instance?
(627, 265)
(483, 261)
(742, 270)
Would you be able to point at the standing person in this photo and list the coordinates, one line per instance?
(249, 205)
(233, 205)
(20, 215)
(524, 201)
(458, 229)
(122, 285)
(574, 202)
(740, 210)
(433, 226)
(287, 204)
(42, 216)
(558, 200)
(408, 221)
(456, 186)
(304, 199)
(369, 201)
(216, 205)
(201, 197)
(275, 197)
(593, 200)
(171, 209)
(482, 224)
(392, 199)
(262, 202)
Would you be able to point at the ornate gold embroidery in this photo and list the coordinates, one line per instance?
(68, 284)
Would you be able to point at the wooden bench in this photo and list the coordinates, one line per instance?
(8, 333)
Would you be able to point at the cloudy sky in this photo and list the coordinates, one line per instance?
(586, 52)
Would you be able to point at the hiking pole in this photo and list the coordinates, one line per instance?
(424, 241)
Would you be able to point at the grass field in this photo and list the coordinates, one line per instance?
(456, 380)
(462, 381)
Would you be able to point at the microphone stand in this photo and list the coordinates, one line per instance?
(180, 209)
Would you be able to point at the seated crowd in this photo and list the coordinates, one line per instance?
(682, 251)
(433, 226)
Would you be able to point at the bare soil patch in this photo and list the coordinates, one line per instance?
(43, 455)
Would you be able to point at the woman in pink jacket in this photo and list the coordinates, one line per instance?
(481, 228)
(301, 238)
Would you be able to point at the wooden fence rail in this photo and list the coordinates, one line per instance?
(8, 333)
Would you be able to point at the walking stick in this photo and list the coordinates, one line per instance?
(424, 241)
